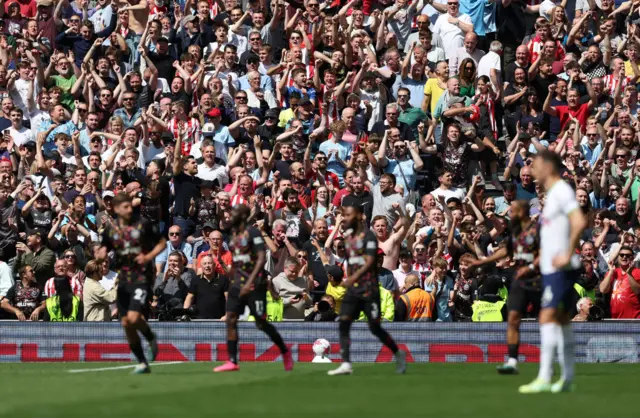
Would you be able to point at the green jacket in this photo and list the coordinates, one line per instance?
(275, 308)
(42, 262)
(387, 306)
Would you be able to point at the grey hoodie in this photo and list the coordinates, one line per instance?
(288, 290)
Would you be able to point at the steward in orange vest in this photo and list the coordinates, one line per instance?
(414, 304)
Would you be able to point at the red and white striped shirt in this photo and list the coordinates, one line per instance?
(191, 127)
(610, 83)
(239, 200)
(50, 288)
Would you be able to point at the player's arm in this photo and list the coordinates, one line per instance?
(151, 255)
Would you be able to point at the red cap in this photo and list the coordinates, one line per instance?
(214, 113)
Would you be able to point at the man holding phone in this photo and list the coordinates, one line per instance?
(293, 290)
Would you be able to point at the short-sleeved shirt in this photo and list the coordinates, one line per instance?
(244, 247)
(186, 188)
(128, 242)
(433, 89)
(624, 303)
(358, 246)
(581, 113)
(210, 300)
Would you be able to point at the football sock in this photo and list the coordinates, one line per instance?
(232, 348)
(145, 330)
(513, 351)
(273, 333)
(565, 351)
(383, 336)
(136, 349)
(547, 351)
(345, 342)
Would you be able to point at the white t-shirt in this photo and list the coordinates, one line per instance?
(20, 94)
(491, 60)
(448, 194)
(22, 136)
(452, 36)
(555, 229)
(217, 172)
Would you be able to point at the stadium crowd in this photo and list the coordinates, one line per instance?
(427, 114)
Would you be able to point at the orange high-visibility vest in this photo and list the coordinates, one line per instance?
(419, 305)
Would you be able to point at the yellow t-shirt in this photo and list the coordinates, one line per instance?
(627, 67)
(338, 294)
(432, 88)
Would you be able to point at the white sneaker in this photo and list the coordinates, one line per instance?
(345, 368)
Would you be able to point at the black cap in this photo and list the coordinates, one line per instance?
(207, 184)
(304, 101)
(272, 113)
(335, 272)
(52, 155)
(38, 231)
(30, 145)
(209, 225)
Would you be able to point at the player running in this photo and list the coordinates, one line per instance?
(562, 225)
(248, 288)
(136, 243)
(523, 247)
(363, 293)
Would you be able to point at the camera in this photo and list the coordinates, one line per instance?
(324, 306)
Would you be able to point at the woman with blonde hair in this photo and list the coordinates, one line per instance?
(96, 299)
(559, 23)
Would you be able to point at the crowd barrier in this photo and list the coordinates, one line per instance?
(597, 342)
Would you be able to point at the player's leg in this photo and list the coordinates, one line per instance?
(138, 311)
(549, 329)
(350, 309)
(517, 305)
(372, 311)
(124, 301)
(565, 346)
(234, 307)
(257, 305)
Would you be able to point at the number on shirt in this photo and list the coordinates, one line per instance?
(140, 295)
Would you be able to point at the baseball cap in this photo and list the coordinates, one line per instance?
(52, 155)
(187, 19)
(455, 100)
(214, 113)
(304, 101)
(39, 232)
(30, 145)
(208, 225)
(208, 130)
(272, 113)
(44, 3)
(108, 193)
(335, 272)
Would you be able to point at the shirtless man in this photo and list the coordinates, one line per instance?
(390, 244)
(138, 16)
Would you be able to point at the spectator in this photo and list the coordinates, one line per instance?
(291, 285)
(61, 271)
(622, 283)
(25, 299)
(96, 300)
(172, 286)
(415, 304)
(176, 242)
(38, 256)
(209, 290)
(65, 305)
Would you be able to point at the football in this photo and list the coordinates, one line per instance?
(321, 347)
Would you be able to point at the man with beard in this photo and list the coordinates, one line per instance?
(314, 260)
(248, 288)
(363, 293)
(298, 220)
(523, 247)
(136, 243)
(360, 197)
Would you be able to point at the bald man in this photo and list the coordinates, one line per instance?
(526, 188)
(468, 50)
(415, 304)
(522, 61)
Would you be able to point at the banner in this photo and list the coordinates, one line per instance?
(597, 342)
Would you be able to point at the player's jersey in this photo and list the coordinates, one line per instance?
(244, 247)
(554, 231)
(523, 245)
(127, 242)
(357, 247)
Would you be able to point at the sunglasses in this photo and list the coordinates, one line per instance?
(69, 256)
(241, 98)
(174, 234)
(621, 156)
(403, 96)
(626, 255)
(128, 99)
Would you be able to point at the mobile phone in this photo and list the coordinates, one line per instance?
(6, 132)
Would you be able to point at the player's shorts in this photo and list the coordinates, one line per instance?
(133, 297)
(353, 304)
(521, 296)
(256, 300)
(557, 289)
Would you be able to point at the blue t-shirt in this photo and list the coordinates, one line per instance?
(409, 173)
(442, 299)
(343, 151)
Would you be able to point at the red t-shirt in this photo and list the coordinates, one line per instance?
(337, 199)
(582, 113)
(28, 8)
(624, 303)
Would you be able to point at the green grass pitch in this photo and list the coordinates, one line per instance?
(265, 390)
